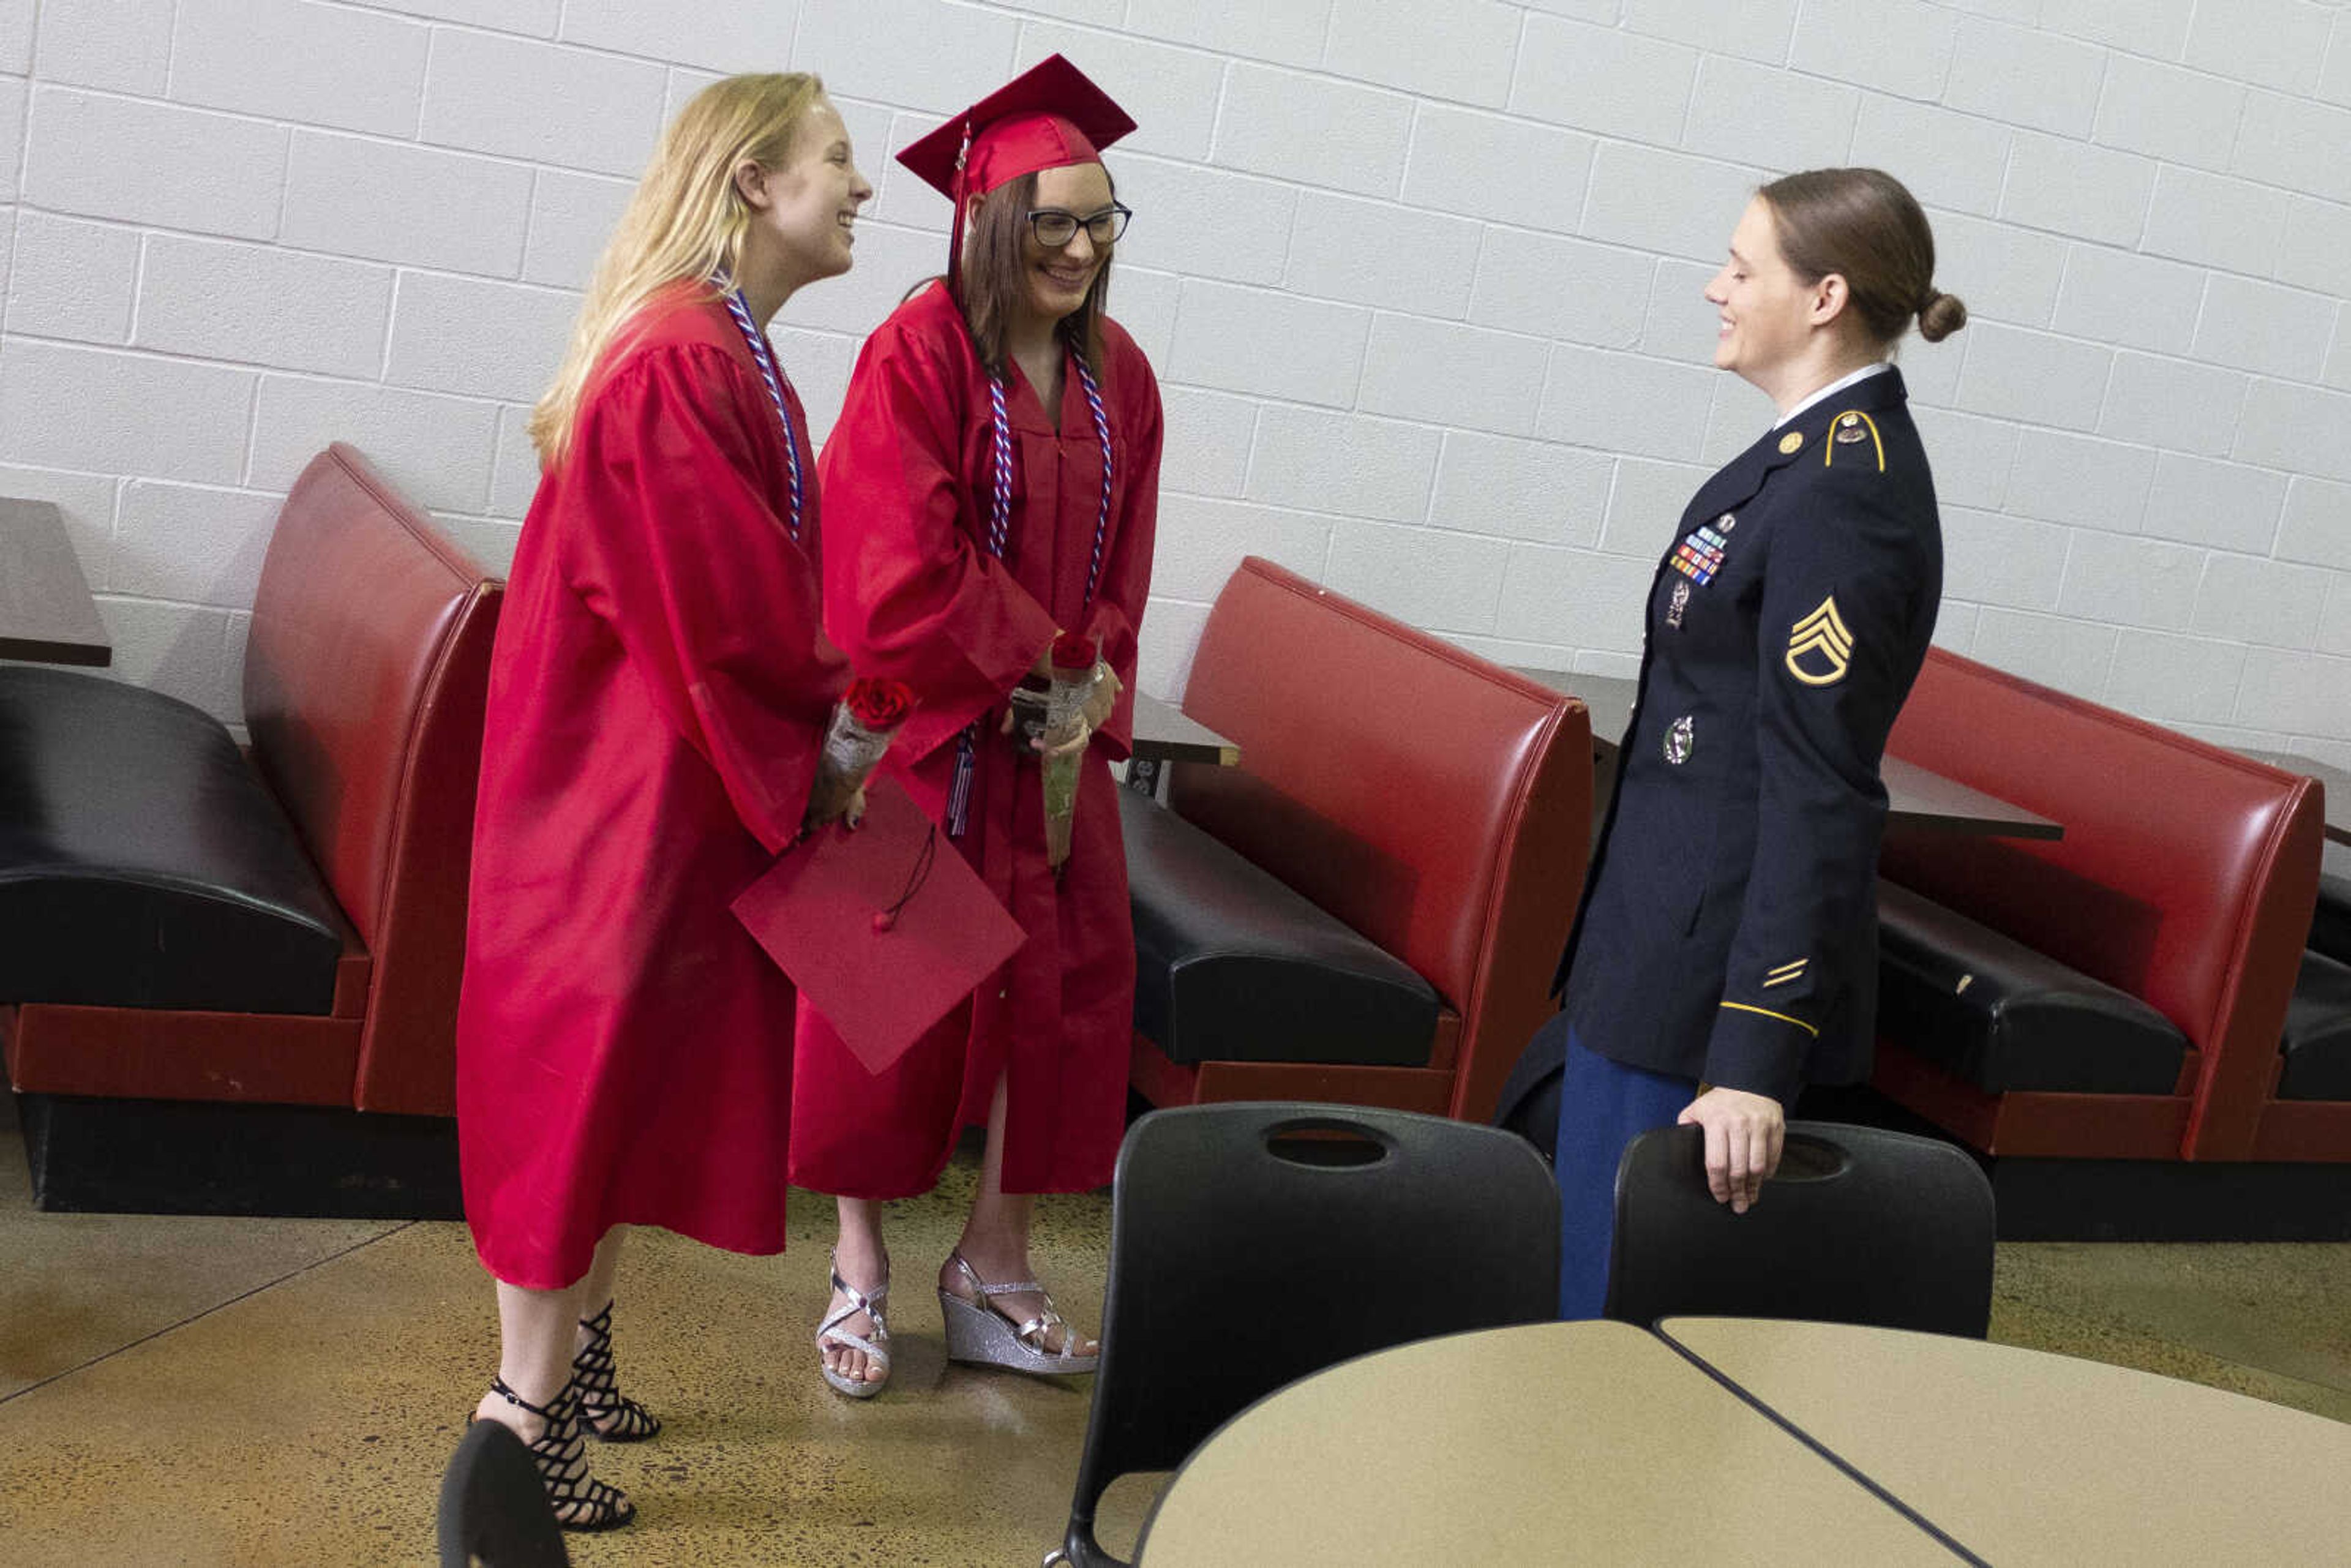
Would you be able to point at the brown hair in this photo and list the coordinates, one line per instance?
(994, 275)
(1861, 225)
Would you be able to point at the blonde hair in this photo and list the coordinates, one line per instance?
(686, 222)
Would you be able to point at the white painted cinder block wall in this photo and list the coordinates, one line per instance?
(1421, 277)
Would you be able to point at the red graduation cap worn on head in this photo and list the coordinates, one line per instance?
(1048, 117)
(883, 929)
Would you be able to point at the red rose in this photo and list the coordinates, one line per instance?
(879, 704)
(1073, 651)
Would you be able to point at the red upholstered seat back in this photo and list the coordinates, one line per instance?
(364, 681)
(1437, 804)
(2187, 874)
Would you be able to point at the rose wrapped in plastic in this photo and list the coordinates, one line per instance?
(1075, 661)
(868, 713)
(879, 706)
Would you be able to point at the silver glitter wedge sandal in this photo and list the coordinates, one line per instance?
(980, 1331)
(876, 1345)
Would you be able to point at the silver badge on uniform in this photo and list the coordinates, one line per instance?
(1680, 738)
(1678, 603)
(1726, 522)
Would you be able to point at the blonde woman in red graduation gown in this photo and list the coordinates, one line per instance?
(1005, 380)
(657, 700)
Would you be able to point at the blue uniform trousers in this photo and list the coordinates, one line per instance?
(1603, 1107)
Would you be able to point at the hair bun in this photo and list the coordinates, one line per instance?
(1940, 315)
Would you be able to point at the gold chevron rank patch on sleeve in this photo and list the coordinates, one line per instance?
(1820, 649)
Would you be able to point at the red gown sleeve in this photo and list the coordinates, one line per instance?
(674, 544)
(909, 595)
(1125, 585)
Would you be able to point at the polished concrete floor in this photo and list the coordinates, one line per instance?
(250, 1392)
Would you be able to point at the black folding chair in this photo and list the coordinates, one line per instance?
(1859, 1226)
(492, 1508)
(1251, 1244)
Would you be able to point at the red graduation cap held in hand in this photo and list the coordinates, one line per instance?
(1048, 117)
(883, 929)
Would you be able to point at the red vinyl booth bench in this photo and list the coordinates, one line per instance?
(2102, 1013)
(1369, 907)
(228, 984)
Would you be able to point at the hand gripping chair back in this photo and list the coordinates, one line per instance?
(1859, 1226)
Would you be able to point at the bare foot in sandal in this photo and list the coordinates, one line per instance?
(854, 1338)
(1009, 1321)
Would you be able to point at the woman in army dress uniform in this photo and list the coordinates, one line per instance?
(1726, 951)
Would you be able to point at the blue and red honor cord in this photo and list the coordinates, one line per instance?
(1000, 539)
(771, 374)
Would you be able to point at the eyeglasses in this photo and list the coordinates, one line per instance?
(1055, 228)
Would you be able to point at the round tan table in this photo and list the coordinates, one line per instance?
(1555, 1443)
(2026, 1457)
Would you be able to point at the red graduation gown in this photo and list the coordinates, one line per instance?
(910, 591)
(657, 698)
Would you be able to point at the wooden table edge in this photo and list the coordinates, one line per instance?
(41, 651)
(1206, 746)
(61, 625)
(2042, 830)
(1612, 695)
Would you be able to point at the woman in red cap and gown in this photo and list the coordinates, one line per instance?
(992, 484)
(657, 702)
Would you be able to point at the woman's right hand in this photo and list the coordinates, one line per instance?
(833, 798)
(1743, 1136)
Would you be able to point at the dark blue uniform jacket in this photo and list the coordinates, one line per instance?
(1728, 927)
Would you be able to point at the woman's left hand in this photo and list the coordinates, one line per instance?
(1076, 740)
(1743, 1136)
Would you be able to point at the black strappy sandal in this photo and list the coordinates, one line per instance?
(580, 1502)
(610, 1416)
